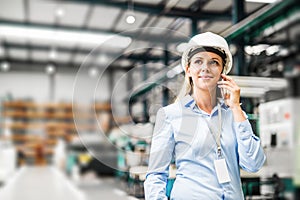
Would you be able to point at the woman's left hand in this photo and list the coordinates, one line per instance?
(232, 96)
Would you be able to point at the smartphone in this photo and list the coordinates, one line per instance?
(222, 92)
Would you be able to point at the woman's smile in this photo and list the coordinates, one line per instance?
(205, 77)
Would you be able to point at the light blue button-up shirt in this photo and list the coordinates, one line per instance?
(182, 133)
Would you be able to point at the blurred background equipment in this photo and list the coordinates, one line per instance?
(81, 83)
(279, 132)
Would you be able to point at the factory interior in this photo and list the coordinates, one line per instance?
(81, 82)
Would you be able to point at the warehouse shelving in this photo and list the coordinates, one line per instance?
(36, 127)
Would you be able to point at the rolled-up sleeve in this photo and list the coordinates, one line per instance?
(251, 154)
(161, 153)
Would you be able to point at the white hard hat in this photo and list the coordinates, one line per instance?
(208, 42)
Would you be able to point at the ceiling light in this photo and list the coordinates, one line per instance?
(93, 72)
(5, 66)
(124, 63)
(130, 19)
(102, 59)
(50, 69)
(53, 54)
(280, 66)
(59, 12)
(61, 37)
(263, 1)
(233, 49)
(272, 50)
(283, 52)
(257, 49)
(249, 50)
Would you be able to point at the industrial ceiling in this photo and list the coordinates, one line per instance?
(35, 32)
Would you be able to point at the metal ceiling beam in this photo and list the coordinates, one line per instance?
(282, 23)
(258, 19)
(38, 66)
(136, 57)
(158, 9)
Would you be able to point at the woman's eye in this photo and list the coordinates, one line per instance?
(214, 63)
(197, 61)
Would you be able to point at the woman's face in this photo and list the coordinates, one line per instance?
(205, 69)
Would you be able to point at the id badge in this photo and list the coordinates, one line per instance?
(222, 171)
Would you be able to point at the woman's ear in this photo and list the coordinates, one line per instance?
(187, 71)
(223, 70)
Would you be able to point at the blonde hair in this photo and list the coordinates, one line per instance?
(187, 88)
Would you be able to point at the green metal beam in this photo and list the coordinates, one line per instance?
(257, 19)
(276, 20)
(150, 83)
(147, 88)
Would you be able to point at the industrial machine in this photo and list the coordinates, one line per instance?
(279, 124)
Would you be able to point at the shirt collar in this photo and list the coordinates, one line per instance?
(189, 102)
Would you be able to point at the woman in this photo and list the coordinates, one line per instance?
(208, 137)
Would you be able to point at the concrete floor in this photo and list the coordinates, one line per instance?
(106, 188)
(49, 183)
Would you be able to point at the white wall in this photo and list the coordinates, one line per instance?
(25, 85)
(36, 86)
(86, 89)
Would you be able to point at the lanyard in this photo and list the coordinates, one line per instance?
(220, 130)
(217, 137)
